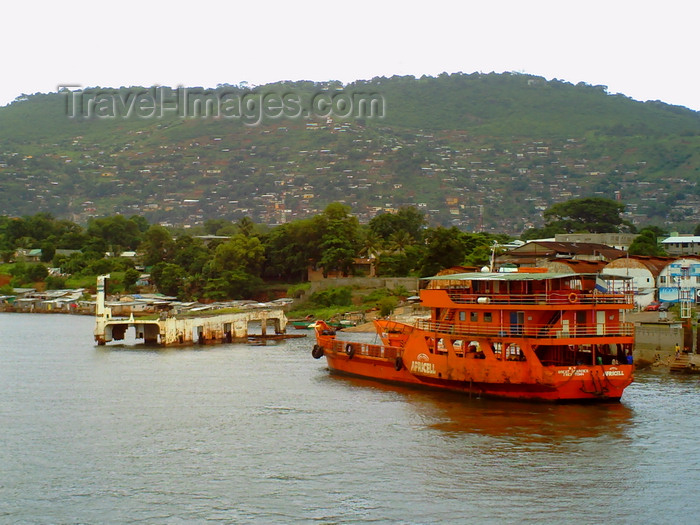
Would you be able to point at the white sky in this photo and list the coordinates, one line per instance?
(645, 50)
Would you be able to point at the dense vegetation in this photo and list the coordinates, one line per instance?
(483, 152)
(237, 259)
(223, 260)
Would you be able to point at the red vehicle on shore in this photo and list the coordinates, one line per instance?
(525, 335)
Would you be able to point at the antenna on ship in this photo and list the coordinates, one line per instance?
(493, 255)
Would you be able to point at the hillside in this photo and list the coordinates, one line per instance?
(479, 151)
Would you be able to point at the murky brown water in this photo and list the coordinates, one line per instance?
(263, 434)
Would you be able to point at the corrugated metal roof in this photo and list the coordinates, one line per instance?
(579, 265)
(501, 276)
(518, 276)
(579, 248)
(689, 238)
(652, 263)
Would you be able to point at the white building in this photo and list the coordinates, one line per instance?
(644, 271)
(682, 245)
(681, 274)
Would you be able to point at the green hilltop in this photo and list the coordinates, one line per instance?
(480, 151)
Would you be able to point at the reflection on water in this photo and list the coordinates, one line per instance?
(520, 462)
(136, 348)
(531, 422)
(265, 434)
(455, 412)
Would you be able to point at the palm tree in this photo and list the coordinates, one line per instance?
(370, 244)
(399, 240)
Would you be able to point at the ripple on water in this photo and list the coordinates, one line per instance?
(264, 434)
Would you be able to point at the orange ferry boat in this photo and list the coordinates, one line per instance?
(527, 335)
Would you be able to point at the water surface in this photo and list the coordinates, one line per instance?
(264, 434)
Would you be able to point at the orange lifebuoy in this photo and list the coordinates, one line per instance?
(573, 298)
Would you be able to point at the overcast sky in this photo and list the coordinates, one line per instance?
(645, 50)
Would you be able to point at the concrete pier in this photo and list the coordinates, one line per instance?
(169, 330)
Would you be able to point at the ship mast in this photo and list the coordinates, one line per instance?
(493, 255)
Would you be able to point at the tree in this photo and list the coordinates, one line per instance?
(72, 238)
(340, 239)
(168, 278)
(246, 226)
(98, 267)
(140, 222)
(444, 248)
(158, 245)
(659, 232)
(117, 232)
(48, 250)
(36, 272)
(646, 244)
(240, 253)
(288, 250)
(399, 240)
(407, 220)
(55, 283)
(383, 225)
(212, 226)
(590, 214)
(399, 264)
(479, 247)
(480, 256)
(15, 229)
(130, 278)
(191, 254)
(40, 226)
(235, 284)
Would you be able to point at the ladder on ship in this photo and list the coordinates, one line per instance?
(544, 331)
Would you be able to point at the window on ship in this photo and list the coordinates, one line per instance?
(514, 353)
(436, 346)
(474, 350)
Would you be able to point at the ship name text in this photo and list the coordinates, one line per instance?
(423, 368)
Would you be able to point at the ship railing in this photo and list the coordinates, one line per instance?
(365, 349)
(396, 327)
(560, 297)
(534, 331)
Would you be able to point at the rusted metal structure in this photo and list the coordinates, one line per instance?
(170, 330)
